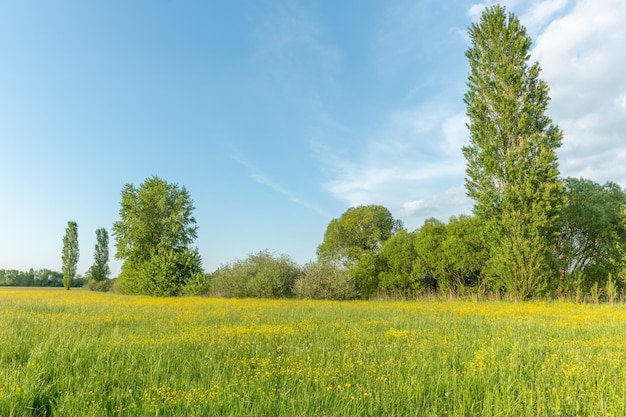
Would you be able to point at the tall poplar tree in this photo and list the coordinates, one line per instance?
(512, 168)
(100, 271)
(70, 254)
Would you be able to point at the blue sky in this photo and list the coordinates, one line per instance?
(276, 115)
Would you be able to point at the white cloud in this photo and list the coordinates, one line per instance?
(583, 56)
(418, 206)
(476, 9)
(417, 153)
(453, 201)
(581, 47)
(534, 14)
(540, 13)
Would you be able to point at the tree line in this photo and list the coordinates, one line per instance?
(531, 234)
(35, 278)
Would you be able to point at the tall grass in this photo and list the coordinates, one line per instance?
(79, 353)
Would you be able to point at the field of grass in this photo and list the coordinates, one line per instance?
(77, 353)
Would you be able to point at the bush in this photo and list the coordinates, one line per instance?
(102, 286)
(365, 274)
(199, 284)
(261, 274)
(322, 280)
(116, 286)
(162, 275)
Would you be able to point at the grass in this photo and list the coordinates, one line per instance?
(78, 353)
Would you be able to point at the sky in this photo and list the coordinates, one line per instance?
(276, 116)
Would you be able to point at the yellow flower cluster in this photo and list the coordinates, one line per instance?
(96, 354)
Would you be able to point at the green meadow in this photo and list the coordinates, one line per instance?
(80, 353)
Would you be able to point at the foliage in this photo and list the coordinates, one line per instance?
(198, 285)
(521, 261)
(116, 286)
(153, 238)
(595, 292)
(512, 168)
(261, 274)
(365, 273)
(324, 281)
(70, 253)
(359, 231)
(464, 253)
(449, 257)
(164, 274)
(103, 285)
(99, 271)
(398, 275)
(591, 232)
(611, 289)
(33, 278)
(430, 262)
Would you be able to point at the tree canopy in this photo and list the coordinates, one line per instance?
(591, 231)
(359, 230)
(153, 238)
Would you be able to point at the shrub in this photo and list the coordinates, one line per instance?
(321, 280)
(162, 275)
(102, 286)
(116, 286)
(199, 284)
(261, 274)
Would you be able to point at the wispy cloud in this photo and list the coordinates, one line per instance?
(412, 162)
(412, 150)
(261, 178)
(294, 59)
(416, 154)
(413, 43)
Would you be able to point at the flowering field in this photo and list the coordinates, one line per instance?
(77, 353)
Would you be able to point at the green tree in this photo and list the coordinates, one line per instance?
(464, 253)
(198, 285)
(165, 274)
(99, 271)
(359, 230)
(512, 168)
(366, 274)
(398, 274)
(430, 263)
(591, 232)
(153, 238)
(70, 254)
(48, 278)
